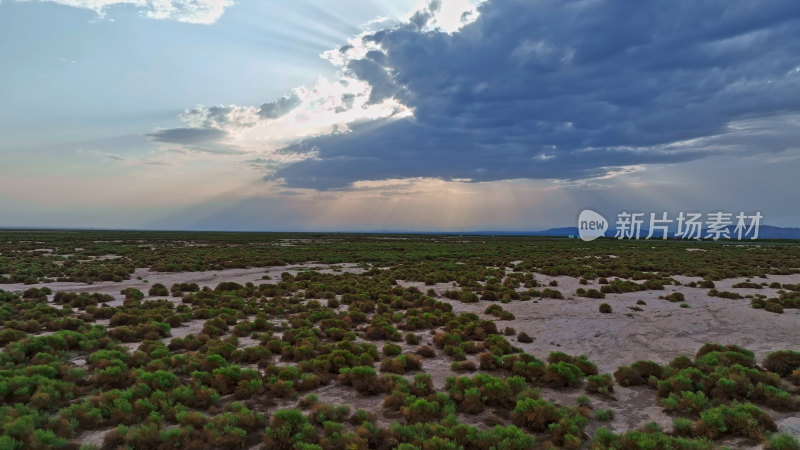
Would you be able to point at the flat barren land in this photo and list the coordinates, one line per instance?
(215, 340)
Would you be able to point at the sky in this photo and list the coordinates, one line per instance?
(395, 115)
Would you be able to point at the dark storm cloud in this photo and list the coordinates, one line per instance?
(423, 16)
(566, 89)
(278, 108)
(204, 140)
(187, 136)
(367, 69)
(419, 151)
(208, 123)
(347, 101)
(113, 157)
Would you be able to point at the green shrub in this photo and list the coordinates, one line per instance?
(599, 384)
(706, 284)
(782, 441)
(653, 284)
(562, 374)
(392, 349)
(363, 378)
(287, 428)
(401, 364)
(638, 373)
(463, 366)
(583, 363)
(594, 293)
(645, 439)
(426, 351)
(309, 400)
(129, 293)
(724, 294)
(773, 306)
(534, 414)
(422, 410)
(748, 285)
(323, 412)
(687, 402)
(782, 362)
(675, 297)
(682, 426)
(500, 438)
(158, 289)
(604, 415)
(741, 420)
(412, 339)
(568, 431)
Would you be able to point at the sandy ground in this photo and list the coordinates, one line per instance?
(661, 331)
(93, 437)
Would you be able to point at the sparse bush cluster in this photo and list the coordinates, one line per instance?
(716, 387)
(590, 293)
(724, 294)
(788, 300)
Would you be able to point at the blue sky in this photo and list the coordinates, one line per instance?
(438, 115)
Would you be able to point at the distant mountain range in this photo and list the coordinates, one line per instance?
(764, 232)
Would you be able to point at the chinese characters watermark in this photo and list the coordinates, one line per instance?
(715, 225)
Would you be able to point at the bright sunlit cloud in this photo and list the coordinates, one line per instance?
(447, 15)
(329, 107)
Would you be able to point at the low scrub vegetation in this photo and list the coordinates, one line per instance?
(241, 365)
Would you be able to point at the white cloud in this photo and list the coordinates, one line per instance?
(444, 15)
(329, 107)
(190, 11)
